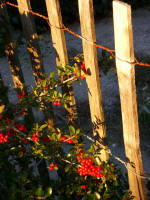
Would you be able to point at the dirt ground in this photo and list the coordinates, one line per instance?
(109, 84)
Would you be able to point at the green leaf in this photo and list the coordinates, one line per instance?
(42, 127)
(65, 105)
(69, 67)
(60, 68)
(60, 95)
(67, 168)
(69, 82)
(52, 74)
(2, 108)
(49, 192)
(58, 136)
(97, 195)
(72, 130)
(44, 83)
(78, 131)
(38, 191)
(55, 93)
(92, 148)
(36, 125)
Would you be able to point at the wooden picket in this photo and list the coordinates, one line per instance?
(13, 59)
(126, 77)
(10, 51)
(59, 44)
(32, 40)
(34, 50)
(93, 80)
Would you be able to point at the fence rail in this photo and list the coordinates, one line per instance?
(125, 62)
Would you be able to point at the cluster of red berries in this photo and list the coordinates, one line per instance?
(56, 103)
(20, 96)
(3, 138)
(11, 132)
(83, 67)
(35, 137)
(66, 139)
(21, 127)
(53, 166)
(77, 72)
(88, 168)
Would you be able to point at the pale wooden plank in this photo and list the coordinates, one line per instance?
(93, 81)
(126, 77)
(32, 39)
(59, 44)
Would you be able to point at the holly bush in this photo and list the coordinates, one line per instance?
(38, 162)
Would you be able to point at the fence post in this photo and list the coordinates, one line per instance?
(126, 77)
(59, 43)
(10, 49)
(12, 56)
(34, 50)
(93, 81)
(32, 39)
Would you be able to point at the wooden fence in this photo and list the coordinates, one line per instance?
(125, 70)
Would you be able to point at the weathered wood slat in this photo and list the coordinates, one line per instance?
(32, 39)
(12, 56)
(35, 53)
(126, 77)
(93, 81)
(10, 50)
(59, 44)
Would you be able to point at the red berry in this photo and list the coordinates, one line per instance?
(82, 77)
(75, 78)
(46, 88)
(56, 103)
(83, 65)
(35, 137)
(21, 95)
(83, 187)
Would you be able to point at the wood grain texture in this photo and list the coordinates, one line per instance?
(59, 44)
(126, 77)
(32, 40)
(93, 81)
